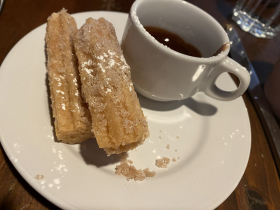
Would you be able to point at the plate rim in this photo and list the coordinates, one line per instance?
(47, 194)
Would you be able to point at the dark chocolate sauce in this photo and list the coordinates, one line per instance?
(173, 41)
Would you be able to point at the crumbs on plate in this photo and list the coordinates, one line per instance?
(128, 170)
(162, 162)
(39, 177)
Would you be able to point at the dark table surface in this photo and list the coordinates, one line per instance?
(259, 187)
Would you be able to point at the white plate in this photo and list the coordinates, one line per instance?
(212, 139)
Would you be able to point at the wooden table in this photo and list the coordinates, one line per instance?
(259, 187)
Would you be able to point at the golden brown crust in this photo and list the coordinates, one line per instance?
(117, 118)
(72, 118)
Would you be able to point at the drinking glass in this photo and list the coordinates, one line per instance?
(261, 18)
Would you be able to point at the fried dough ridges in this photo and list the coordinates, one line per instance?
(118, 122)
(72, 117)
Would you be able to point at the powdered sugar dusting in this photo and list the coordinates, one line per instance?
(107, 88)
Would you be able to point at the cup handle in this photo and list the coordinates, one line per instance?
(231, 66)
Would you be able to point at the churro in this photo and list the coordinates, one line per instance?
(118, 122)
(72, 117)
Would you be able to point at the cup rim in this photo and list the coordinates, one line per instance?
(134, 18)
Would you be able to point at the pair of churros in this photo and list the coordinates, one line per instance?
(116, 117)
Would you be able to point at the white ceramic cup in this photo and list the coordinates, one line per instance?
(162, 74)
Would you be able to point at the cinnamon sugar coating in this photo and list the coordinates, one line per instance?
(72, 118)
(118, 122)
(162, 162)
(128, 170)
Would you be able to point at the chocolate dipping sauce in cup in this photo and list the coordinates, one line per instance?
(162, 74)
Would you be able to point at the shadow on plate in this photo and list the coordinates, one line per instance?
(93, 155)
(89, 149)
(200, 108)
